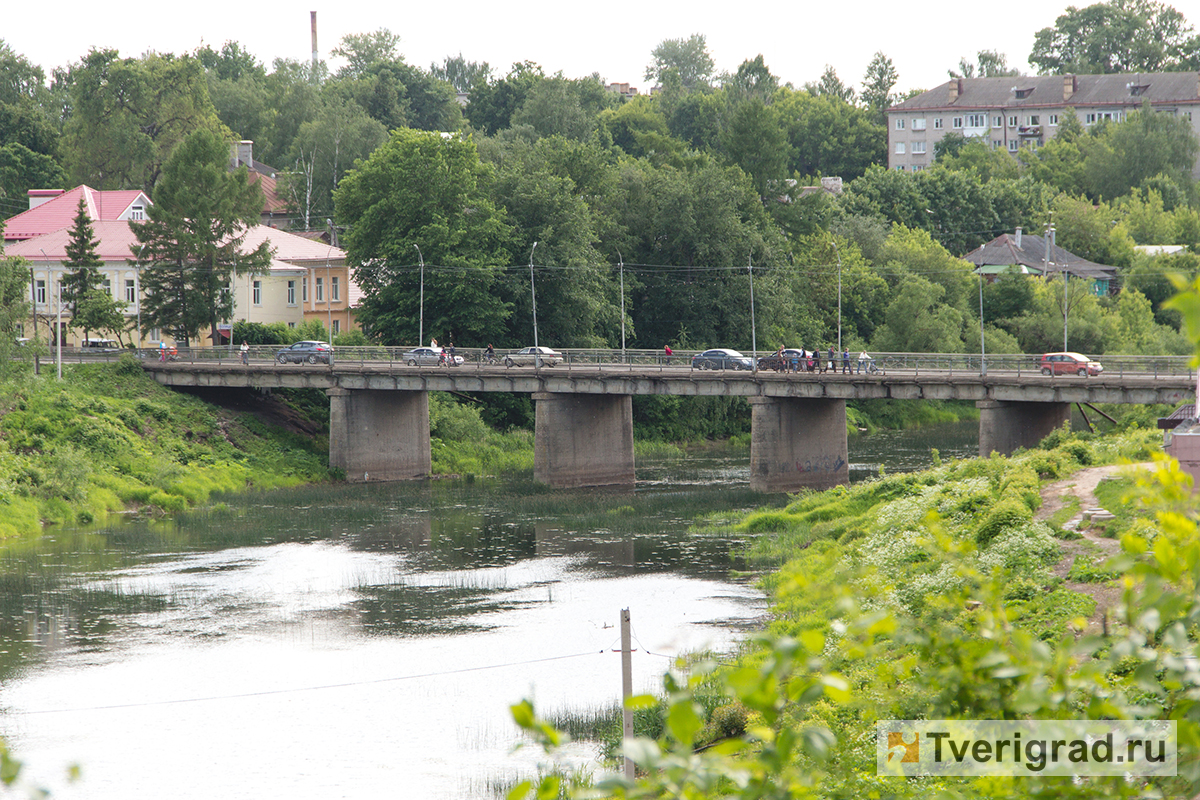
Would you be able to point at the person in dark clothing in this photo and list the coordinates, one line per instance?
(846, 361)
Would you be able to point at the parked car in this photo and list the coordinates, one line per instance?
(1069, 364)
(721, 358)
(537, 356)
(312, 352)
(429, 357)
(781, 363)
(100, 345)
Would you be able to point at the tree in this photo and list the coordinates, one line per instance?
(689, 58)
(364, 50)
(753, 80)
(1126, 154)
(463, 75)
(22, 169)
(192, 240)
(128, 114)
(756, 140)
(493, 104)
(14, 312)
(831, 85)
(1119, 36)
(918, 322)
(98, 310)
(877, 85)
(989, 64)
(421, 191)
(83, 277)
(829, 136)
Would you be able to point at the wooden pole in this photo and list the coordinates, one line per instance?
(626, 686)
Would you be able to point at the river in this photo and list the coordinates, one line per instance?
(367, 641)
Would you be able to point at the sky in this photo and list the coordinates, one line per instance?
(797, 40)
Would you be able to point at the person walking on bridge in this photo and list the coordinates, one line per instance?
(846, 361)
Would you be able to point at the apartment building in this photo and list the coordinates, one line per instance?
(1017, 112)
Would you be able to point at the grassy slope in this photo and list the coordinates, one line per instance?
(108, 438)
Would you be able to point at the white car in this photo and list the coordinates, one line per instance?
(537, 356)
(429, 357)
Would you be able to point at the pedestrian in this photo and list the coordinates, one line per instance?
(433, 344)
(832, 359)
(863, 359)
(846, 361)
(245, 352)
(667, 352)
(162, 350)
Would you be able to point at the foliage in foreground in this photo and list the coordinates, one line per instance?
(108, 438)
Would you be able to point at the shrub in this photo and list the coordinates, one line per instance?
(1008, 513)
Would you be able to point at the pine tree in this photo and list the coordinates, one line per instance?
(83, 278)
(193, 236)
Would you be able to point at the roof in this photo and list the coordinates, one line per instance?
(272, 203)
(1048, 91)
(115, 240)
(59, 213)
(1031, 257)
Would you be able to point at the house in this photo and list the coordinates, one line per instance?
(306, 280)
(275, 213)
(54, 209)
(1016, 112)
(1029, 255)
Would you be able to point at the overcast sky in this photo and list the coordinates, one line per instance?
(797, 40)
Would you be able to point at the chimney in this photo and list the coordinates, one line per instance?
(956, 87)
(313, 18)
(1070, 85)
(1018, 237)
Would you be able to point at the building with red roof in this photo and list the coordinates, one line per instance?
(54, 209)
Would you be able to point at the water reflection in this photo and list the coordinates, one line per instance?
(362, 640)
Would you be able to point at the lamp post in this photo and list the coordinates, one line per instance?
(621, 264)
(838, 253)
(533, 298)
(137, 293)
(753, 327)
(421, 325)
(982, 347)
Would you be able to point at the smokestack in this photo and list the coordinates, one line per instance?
(1018, 238)
(313, 17)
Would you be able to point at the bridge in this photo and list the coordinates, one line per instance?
(379, 407)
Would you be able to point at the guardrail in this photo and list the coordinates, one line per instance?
(592, 358)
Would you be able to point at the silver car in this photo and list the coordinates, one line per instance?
(429, 357)
(536, 356)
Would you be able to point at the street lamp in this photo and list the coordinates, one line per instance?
(621, 263)
(838, 253)
(753, 328)
(137, 292)
(421, 327)
(533, 297)
(982, 347)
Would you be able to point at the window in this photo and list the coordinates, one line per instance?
(1012, 121)
(899, 124)
(1089, 119)
(1187, 115)
(918, 147)
(106, 284)
(40, 295)
(997, 144)
(1023, 93)
(937, 123)
(304, 290)
(1012, 146)
(257, 293)
(138, 212)
(956, 123)
(899, 148)
(291, 293)
(1033, 119)
(320, 290)
(900, 168)
(1138, 91)
(997, 121)
(1052, 120)
(334, 289)
(337, 325)
(130, 291)
(917, 167)
(918, 124)
(291, 324)
(976, 120)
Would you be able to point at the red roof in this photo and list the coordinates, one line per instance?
(59, 213)
(116, 237)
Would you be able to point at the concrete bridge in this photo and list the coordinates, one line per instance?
(379, 412)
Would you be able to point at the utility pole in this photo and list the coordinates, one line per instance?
(626, 687)
(753, 327)
(621, 263)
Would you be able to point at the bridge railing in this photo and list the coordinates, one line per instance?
(593, 358)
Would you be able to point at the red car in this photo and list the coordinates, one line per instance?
(1069, 364)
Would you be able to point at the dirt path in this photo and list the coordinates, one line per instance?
(1082, 486)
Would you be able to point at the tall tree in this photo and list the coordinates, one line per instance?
(689, 58)
(493, 103)
(128, 114)
(463, 75)
(192, 240)
(1118, 36)
(363, 50)
(14, 312)
(877, 85)
(829, 136)
(1124, 155)
(753, 80)
(988, 64)
(830, 85)
(83, 265)
(421, 195)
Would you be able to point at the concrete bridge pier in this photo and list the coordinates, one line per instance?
(379, 435)
(583, 439)
(797, 443)
(1005, 425)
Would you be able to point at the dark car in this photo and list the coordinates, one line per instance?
(312, 352)
(721, 358)
(782, 363)
(1066, 363)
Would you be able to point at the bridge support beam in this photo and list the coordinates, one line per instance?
(1004, 426)
(797, 443)
(379, 435)
(583, 439)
